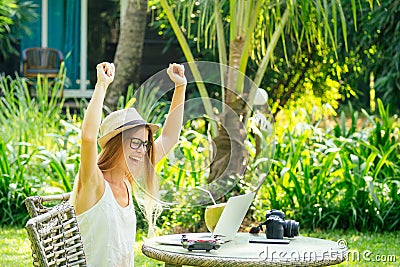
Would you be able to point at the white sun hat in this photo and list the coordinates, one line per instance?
(119, 121)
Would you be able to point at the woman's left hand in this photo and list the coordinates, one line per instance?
(176, 73)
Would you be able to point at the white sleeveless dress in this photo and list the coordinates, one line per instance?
(108, 231)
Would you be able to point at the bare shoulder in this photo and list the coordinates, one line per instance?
(89, 193)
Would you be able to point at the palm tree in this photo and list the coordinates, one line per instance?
(252, 28)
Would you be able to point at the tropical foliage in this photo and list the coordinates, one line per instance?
(38, 145)
(343, 177)
(14, 14)
(252, 36)
(377, 53)
(7, 10)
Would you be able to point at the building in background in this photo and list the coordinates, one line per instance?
(86, 31)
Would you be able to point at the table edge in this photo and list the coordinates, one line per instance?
(198, 260)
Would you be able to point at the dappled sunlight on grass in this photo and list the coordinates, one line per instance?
(15, 250)
(14, 247)
(365, 249)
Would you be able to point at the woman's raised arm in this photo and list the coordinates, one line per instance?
(89, 174)
(173, 123)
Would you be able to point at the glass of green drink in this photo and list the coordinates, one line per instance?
(212, 215)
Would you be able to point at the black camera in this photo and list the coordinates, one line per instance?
(277, 227)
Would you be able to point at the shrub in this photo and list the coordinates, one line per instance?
(345, 178)
(34, 158)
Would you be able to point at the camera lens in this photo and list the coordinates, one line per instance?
(291, 228)
(277, 227)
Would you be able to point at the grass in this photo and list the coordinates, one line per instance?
(366, 249)
(15, 248)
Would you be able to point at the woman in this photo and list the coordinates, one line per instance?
(102, 192)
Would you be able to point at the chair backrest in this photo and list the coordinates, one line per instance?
(42, 60)
(37, 205)
(55, 237)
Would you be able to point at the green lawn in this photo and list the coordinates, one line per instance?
(366, 249)
(15, 248)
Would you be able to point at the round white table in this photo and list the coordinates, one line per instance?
(301, 251)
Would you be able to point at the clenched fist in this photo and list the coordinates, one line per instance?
(176, 73)
(105, 73)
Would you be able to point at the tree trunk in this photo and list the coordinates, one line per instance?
(228, 161)
(128, 55)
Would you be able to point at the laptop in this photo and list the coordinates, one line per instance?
(232, 216)
(228, 224)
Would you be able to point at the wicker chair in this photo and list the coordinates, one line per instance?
(54, 233)
(42, 60)
(37, 205)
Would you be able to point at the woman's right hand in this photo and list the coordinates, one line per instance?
(105, 73)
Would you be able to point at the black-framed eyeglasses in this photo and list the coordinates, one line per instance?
(136, 143)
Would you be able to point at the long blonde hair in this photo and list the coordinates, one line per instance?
(146, 195)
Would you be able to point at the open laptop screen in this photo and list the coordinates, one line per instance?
(232, 216)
